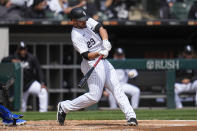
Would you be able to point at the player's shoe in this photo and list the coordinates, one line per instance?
(6, 114)
(61, 115)
(132, 122)
(11, 122)
(14, 116)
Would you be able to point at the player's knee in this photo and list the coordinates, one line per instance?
(176, 91)
(43, 94)
(94, 98)
(44, 91)
(195, 83)
(94, 101)
(138, 91)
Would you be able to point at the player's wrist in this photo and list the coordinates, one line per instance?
(104, 53)
(107, 45)
(93, 55)
(105, 40)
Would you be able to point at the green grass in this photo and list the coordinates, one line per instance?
(153, 114)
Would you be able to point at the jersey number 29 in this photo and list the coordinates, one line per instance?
(91, 43)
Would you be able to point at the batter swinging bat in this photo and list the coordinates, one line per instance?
(83, 81)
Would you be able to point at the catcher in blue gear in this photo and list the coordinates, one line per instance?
(8, 117)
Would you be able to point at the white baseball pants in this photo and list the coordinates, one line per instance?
(103, 75)
(129, 89)
(179, 88)
(42, 94)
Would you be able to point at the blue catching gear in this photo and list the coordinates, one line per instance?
(8, 117)
(10, 122)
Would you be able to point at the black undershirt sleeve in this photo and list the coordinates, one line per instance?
(98, 26)
(85, 55)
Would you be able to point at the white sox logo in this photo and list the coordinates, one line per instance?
(150, 64)
(25, 65)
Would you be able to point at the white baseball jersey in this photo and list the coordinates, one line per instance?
(86, 39)
(103, 75)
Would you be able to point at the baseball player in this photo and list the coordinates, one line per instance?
(33, 78)
(9, 118)
(123, 76)
(90, 39)
(186, 80)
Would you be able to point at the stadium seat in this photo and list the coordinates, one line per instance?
(180, 10)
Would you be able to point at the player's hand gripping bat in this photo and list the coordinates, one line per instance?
(83, 81)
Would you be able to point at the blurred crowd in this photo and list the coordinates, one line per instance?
(178, 9)
(99, 9)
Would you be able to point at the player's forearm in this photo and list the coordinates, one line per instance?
(93, 55)
(103, 33)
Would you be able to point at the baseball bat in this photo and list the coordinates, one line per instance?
(83, 81)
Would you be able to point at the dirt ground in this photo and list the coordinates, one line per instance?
(106, 125)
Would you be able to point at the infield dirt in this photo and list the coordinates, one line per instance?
(106, 125)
